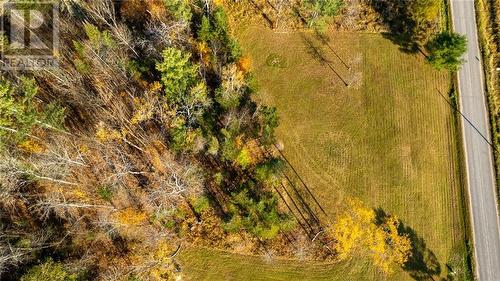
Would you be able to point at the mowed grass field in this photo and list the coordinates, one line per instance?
(206, 264)
(387, 139)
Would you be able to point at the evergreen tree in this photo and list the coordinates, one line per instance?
(259, 216)
(270, 122)
(177, 73)
(269, 172)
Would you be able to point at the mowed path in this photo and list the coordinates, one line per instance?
(388, 139)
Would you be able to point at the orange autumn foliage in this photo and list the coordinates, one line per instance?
(245, 64)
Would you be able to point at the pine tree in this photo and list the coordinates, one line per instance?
(177, 73)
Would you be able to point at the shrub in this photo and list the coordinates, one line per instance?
(201, 204)
(105, 192)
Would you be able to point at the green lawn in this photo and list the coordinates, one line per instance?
(388, 139)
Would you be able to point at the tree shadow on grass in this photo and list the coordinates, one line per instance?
(423, 263)
(404, 41)
(395, 16)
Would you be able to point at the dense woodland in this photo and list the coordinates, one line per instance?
(145, 139)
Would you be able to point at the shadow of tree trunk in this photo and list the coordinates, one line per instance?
(266, 17)
(318, 54)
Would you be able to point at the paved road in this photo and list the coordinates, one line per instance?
(478, 152)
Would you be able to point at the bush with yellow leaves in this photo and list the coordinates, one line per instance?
(104, 134)
(31, 146)
(130, 217)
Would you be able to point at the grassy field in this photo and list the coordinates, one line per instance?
(205, 264)
(388, 139)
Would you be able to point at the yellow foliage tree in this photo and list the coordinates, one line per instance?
(104, 134)
(356, 230)
(143, 110)
(396, 247)
(31, 146)
(130, 217)
(218, 2)
(346, 233)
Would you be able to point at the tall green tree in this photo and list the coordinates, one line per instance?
(270, 122)
(269, 172)
(214, 30)
(19, 113)
(187, 98)
(177, 73)
(446, 49)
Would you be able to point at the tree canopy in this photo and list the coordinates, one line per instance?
(446, 49)
(177, 73)
(357, 231)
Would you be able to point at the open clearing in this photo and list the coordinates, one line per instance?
(388, 139)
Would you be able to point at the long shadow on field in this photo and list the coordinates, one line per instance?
(318, 54)
(265, 16)
(325, 40)
(423, 263)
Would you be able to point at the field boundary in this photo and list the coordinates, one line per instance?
(460, 159)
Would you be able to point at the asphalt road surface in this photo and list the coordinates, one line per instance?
(478, 151)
